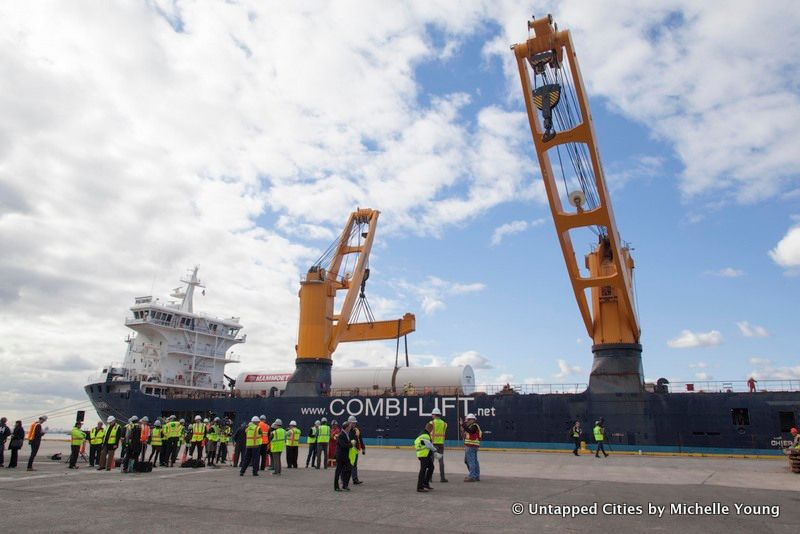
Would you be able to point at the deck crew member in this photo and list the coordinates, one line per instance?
(311, 440)
(264, 449)
(292, 445)
(599, 432)
(252, 446)
(95, 444)
(472, 442)
(145, 437)
(34, 437)
(277, 444)
(344, 443)
(323, 437)
(198, 434)
(575, 433)
(110, 443)
(77, 437)
(355, 433)
(425, 450)
(156, 443)
(438, 434)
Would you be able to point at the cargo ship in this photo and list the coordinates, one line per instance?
(175, 363)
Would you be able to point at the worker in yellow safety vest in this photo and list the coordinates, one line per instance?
(311, 440)
(277, 444)
(292, 445)
(425, 450)
(252, 446)
(213, 436)
(438, 434)
(198, 435)
(156, 443)
(95, 443)
(599, 432)
(77, 437)
(323, 437)
(111, 438)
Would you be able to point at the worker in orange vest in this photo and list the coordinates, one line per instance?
(34, 437)
(264, 449)
(145, 435)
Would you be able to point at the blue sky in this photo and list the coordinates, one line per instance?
(141, 139)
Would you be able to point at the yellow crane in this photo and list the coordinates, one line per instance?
(562, 128)
(321, 328)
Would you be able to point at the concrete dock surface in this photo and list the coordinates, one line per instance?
(555, 491)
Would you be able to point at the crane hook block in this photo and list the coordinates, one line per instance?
(545, 98)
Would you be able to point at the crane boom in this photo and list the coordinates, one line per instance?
(561, 125)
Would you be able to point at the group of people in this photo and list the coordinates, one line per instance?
(257, 444)
(15, 438)
(598, 432)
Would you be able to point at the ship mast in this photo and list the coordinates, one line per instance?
(187, 295)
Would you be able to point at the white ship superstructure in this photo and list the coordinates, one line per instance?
(175, 348)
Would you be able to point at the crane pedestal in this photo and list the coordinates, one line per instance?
(617, 368)
(311, 378)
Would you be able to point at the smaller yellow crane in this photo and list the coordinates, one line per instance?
(321, 329)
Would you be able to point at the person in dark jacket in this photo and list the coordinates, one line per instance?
(133, 437)
(17, 439)
(575, 433)
(343, 468)
(355, 432)
(4, 433)
(238, 439)
(312, 445)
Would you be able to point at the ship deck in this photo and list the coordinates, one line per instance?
(214, 500)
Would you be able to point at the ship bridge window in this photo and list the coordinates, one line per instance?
(788, 421)
(740, 416)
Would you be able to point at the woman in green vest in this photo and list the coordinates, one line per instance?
(425, 449)
(277, 444)
(156, 442)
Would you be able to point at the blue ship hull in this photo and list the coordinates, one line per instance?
(703, 423)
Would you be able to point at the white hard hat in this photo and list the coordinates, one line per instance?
(198, 418)
(205, 420)
(111, 419)
(145, 419)
(133, 419)
(182, 420)
(263, 417)
(254, 419)
(157, 423)
(172, 418)
(292, 423)
(217, 419)
(324, 420)
(278, 422)
(470, 416)
(436, 411)
(352, 419)
(316, 422)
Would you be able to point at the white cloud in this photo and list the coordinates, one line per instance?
(566, 370)
(787, 252)
(514, 227)
(472, 358)
(505, 378)
(698, 365)
(749, 330)
(766, 370)
(727, 272)
(688, 339)
(433, 292)
(533, 380)
(703, 376)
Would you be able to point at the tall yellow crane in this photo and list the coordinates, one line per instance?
(321, 328)
(562, 128)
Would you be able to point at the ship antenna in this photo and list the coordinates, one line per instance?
(188, 298)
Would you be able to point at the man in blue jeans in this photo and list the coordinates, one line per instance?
(472, 442)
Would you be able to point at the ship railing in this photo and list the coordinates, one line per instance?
(221, 332)
(201, 351)
(728, 386)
